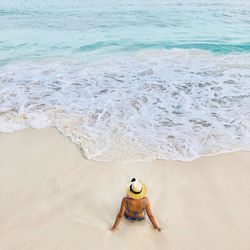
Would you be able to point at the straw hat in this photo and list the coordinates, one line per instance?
(136, 189)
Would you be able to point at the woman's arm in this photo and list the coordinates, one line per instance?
(119, 215)
(150, 215)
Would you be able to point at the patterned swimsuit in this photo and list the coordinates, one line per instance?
(135, 216)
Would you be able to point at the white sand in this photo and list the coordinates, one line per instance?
(52, 198)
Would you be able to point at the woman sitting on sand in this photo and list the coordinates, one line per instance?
(133, 206)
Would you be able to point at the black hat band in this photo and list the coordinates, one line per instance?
(134, 191)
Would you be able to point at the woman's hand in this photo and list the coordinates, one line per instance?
(158, 229)
(112, 229)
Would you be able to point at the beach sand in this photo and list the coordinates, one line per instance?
(53, 198)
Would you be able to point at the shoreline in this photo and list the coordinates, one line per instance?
(67, 137)
(53, 198)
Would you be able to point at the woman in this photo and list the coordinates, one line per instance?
(133, 206)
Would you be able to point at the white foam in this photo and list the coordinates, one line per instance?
(163, 104)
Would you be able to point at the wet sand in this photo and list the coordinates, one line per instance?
(53, 198)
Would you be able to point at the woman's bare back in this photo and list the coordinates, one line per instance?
(136, 205)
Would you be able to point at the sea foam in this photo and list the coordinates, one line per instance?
(154, 104)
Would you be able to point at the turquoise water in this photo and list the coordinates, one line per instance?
(38, 29)
(129, 79)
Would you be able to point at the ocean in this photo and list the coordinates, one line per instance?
(129, 80)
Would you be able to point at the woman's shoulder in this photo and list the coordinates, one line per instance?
(145, 200)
